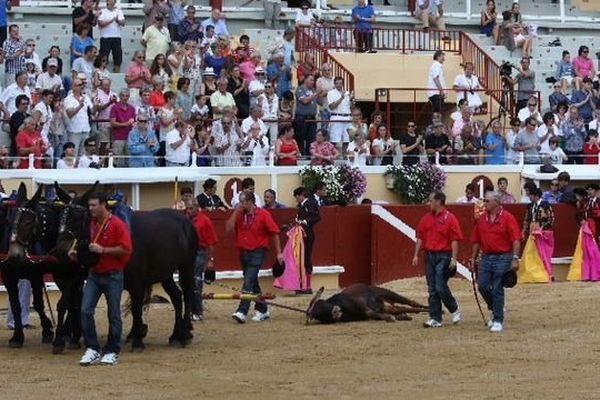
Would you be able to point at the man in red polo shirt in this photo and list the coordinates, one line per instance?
(254, 228)
(111, 239)
(207, 238)
(498, 236)
(438, 233)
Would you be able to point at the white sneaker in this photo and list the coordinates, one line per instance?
(197, 317)
(110, 359)
(432, 323)
(496, 327)
(90, 357)
(456, 316)
(258, 316)
(239, 317)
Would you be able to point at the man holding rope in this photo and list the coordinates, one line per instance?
(498, 236)
(253, 228)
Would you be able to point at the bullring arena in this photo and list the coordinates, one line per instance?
(549, 347)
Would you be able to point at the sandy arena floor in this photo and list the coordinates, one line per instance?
(549, 350)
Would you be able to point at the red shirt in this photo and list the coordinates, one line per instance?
(438, 231)
(114, 233)
(253, 231)
(24, 140)
(206, 231)
(157, 99)
(496, 236)
(590, 154)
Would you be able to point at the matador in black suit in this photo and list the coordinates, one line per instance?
(308, 216)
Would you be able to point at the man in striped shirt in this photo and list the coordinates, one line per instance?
(14, 47)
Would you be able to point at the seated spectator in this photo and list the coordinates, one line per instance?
(530, 110)
(512, 156)
(142, 144)
(179, 145)
(80, 41)
(304, 16)
(184, 100)
(584, 100)
(466, 119)
(594, 125)
(564, 73)
(552, 196)
(556, 155)
(248, 186)
(469, 197)
(438, 142)
(356, 125)
(557, 97)
(546, 132)
(495, 145)
(461, 106)
(383, 147)
(359, 150)
(286, 147)
(466, 147)
(54, 53)
(431, 13)
(228, 143)
(322, 151)
(562, 114)
(591, 149)
(29, 141)
(256, 146)
(68, 160)
(186, 194)
(208, 200)
(466, 85)
(488, 24)
(270, 198)
(16, 120)
(50, 80)
(573, 130)
(436, 119)
(583, 66)
(161, 70)
(506, 197)
(527, 142)
(89, 158)
(376, 121)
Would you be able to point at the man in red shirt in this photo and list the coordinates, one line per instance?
(254, 228)
(111, 239)
(438, 233)
(498, 237)
(207, 238)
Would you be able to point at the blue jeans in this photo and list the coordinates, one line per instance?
(437, 284)
(111, 286)
(198, 278)
(251, 262)
(490, 273)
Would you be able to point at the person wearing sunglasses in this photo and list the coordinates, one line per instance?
(552, 196)
(304, 16)
(142, 144)
(528, 142)
(583, 66)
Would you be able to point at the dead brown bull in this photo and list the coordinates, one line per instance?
(361, 302)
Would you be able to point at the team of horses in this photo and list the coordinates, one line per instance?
(37, 236)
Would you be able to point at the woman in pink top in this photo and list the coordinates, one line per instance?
(322, 151)
(138, 75)
(583, 66)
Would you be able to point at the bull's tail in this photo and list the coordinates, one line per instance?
(394, 298)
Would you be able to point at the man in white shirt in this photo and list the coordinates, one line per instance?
(469, 197)
(179, 145)
(42, 114)
(340, 104)
(431, 13)
(49, 80)
(256, 144)
(9, 95)
(257, 85)
(156, 39)
(248, 186)
(89, 159)
(110, 22)
(546, 132)
(77, 106)
(85, 65)
(530, 110)
(436, 82)
(254, 117)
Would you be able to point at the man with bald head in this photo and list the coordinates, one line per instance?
(77, 106)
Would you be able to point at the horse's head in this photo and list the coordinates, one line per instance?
(24, 224)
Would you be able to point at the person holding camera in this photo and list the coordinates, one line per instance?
(525, 81)
(89, 159)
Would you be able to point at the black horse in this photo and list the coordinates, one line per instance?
(164, 241)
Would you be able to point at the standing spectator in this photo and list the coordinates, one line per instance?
(511, 136)
(153, 9)
(306, 110)
(104, 100)
(256, 146)
(564, 72)
(142, 144)
(573, 130)
(238, 87)
(376, 122)
(436, 82)
(254, 117)
(584, 101)
(50, 80)
(498, 237)
(106, 277)
(322, 151)
(42, 115)
(383, 147)
(216, 19)
(325, 84)
(13, 49)
(439, 233)
(469, 197)
(167, 115)
(270, 199)
(110, 21)
(527, 142)
(29, 141)
(466, 85)
(184, 99)
(557, 97)
(253, 228)
(80, 42)
(437, 143)
(85, 65)
(591, 149)
(257, 86)
(227, 143)
(306, 68)
(567, 193)
(77, 107)
(146, 108)
(359, 150)
(176, 15)
(280, 74)
(556, 155)
(208, 200)
(411, 145)
(160, 69)
(304, 17)
(431, 13)
(286, 148)
(5, 5)
(207, 239)
(190, 27)
(137, 76)
(363, 16)
(272, 11)
(68, 159)
(31, 56)
(495, 145)
(122, 120)
(10, 94)
(221, 98)
(546, 132)
(58, 127)
(525, 80)
(504, 195)
(243, 52)
(583, 66)
(489, 25)
(216, 61)
(85, 15)
(156, 39)
(179, 145)
(16, 120)
(269, 102)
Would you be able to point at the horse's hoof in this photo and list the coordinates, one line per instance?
(13, 344)
(176, 343)
(58, 349)
(74, 346)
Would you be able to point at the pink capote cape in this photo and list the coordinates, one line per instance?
(586, 259)
(294, 276)
(536, 262)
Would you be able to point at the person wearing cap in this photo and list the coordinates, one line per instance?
(257, 86)
(216, 19)
(190, 28)
(68, 160)
(50, 80)
(122, 120)
(498, 238)
(142, 144)
(156, 38)
(208, 200)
